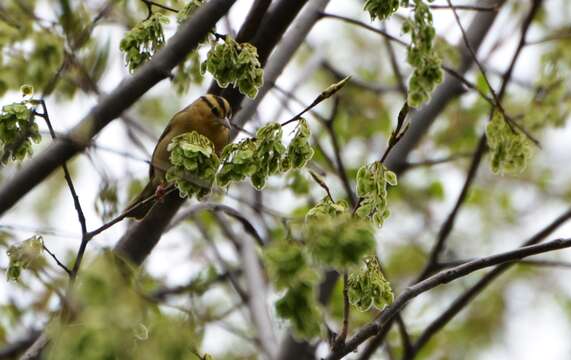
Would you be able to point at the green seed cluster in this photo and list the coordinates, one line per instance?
(143, 41)
(421, 55)
(194, 164)
(368, 287)
(372, 183)
(510, 150)
(236, 64)
(265, 155)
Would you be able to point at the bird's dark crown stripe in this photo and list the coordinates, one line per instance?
(215, 110)
(222, 104)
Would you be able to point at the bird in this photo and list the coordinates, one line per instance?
(209, 115)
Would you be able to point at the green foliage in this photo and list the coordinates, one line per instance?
(236, 64)
(381, 9)
(299, 306)
(368, 286)
(17, 131)
(269, 153)
(335, 238)
(326, 208)
(115, 322)
(422, 55)
(238, 162)
(288, 264)
(144, 40)
(372, 182)
(264, 156)
(194, 164)
(332, 237)
(510, 150)
(299, 151)
(188, 9)
(27, 255)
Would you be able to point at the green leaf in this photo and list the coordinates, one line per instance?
(256, 158)
(299, 151)
(17, 131)
(381, 9)
(288, 265)
(422, 55)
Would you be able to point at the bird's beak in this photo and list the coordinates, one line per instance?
(227, 123)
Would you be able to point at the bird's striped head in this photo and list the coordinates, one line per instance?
(218, 105)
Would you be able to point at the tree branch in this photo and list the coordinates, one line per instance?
(461, 301)
(441, 278)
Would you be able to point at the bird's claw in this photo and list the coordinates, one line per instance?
(160, 191)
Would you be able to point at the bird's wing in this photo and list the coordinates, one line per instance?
(165, 132)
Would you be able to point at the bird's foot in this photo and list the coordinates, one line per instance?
(160, 191)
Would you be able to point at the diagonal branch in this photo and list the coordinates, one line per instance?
(445, 277)
(461, 301)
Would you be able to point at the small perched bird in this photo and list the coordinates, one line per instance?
(209, 116)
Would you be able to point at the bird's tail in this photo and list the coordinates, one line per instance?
(136, 209)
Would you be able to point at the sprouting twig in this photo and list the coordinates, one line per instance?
(398, 132)
(327, 93)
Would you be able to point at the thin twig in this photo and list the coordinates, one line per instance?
(394, 64)
(431, 162)
(59, 263)
(466, 7)
(398, 132)
(151, 3)
(404, 335)
(341, 170)
(324, 95)
(340, 340)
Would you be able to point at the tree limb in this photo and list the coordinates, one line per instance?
(441, 278)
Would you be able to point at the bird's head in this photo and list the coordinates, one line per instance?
(220, 108)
